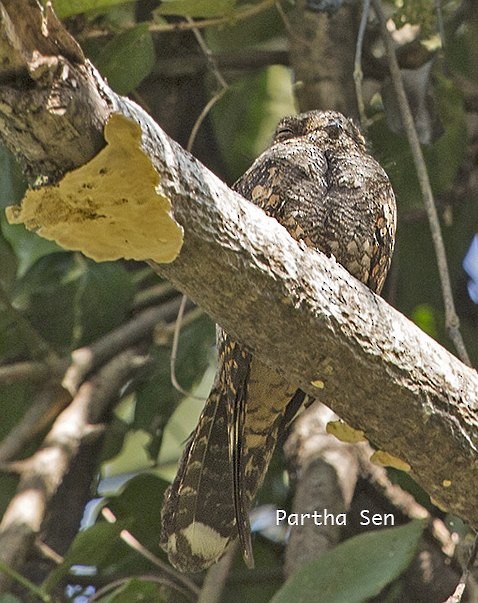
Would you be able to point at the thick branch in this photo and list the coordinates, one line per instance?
(301, 311)
(294, 307)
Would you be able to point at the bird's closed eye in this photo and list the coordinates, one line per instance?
(284, 134)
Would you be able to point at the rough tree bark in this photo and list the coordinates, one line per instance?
(294, 307)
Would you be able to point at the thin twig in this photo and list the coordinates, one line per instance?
(162, 581)
(86, 359)
(174, 351)
(26, 372)
(207, 53)
(202, 116)
(242, 60)
(291, 31)
(48, 552)
(191, 316)
(216, 577)
(246, 13)
(457, 595)
(223, 86)
(440, 23)
(451, 317)
(153, 296)
(284, 18)
(219, 78)
(44, 409)
(27, 584)
(358, 72)
(37, 346)
(128, 538)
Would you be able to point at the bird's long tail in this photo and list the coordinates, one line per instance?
(225, 461)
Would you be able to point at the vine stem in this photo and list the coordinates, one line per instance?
(451, 318)
(247, 12)
(27, 584)
(223, 87)
(358, 73)
(457, 595)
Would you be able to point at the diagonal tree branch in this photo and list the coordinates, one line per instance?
(294, 307)
(42, 474)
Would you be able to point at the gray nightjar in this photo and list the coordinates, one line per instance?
(319, 181)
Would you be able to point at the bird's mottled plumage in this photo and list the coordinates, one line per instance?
(318, 180)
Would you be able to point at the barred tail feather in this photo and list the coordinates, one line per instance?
(225, 460)
(198, 520)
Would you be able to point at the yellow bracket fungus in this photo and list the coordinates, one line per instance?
(108, 208)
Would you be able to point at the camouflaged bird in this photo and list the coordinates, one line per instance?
(318, 180)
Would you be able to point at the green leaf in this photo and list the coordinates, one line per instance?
(8, 265)
(14, 338)
(268, 561)
(91, 547)
(127, 59)
(196, 8)
(356, 570)
(251, 109)
(240, 34)
(45, 296)
(27, 246)
(71, 300)
(12, 181)
(138, 507)
(15, 399)
(8, 488)
(135, 591)
(156, 398)
(114, 438)
(104, 296)
(68, 8)
(140, 504)
(8, 598)
(423, 315)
